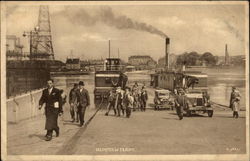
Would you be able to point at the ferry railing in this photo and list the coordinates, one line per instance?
(110, 68)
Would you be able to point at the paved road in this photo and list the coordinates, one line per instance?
(150, 132)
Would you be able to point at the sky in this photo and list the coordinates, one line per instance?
(135, 29)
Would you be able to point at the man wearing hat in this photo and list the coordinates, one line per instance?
(73, 103)
(82, 101)
(235, 102)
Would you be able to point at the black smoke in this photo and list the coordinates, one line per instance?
(106, 15)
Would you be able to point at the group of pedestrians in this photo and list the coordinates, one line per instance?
(122, 101)
(54, 99)
(140, 97)
(78, 100)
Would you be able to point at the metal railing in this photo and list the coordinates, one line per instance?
(109, 67)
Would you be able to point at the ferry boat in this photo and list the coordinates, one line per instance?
(108, 76)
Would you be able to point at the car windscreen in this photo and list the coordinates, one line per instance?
(163, 94)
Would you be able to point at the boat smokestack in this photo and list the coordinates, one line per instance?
(167, 53)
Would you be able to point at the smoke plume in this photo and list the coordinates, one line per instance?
(105, 15)
(234, 31)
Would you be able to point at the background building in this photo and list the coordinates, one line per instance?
(142, 62)
(73, 64)
(14, 50)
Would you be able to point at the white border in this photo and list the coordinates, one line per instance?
(116, 157)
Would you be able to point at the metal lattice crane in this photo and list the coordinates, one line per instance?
(41, 47)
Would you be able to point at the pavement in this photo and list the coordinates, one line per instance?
(151, 132)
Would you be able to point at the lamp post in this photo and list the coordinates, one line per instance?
(31, 35)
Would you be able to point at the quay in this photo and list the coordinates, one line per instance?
(161, 130)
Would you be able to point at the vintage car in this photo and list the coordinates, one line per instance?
(198, 102)
(163, 99)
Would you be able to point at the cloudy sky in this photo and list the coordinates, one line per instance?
(135, 29)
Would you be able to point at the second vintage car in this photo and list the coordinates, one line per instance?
(163, 99)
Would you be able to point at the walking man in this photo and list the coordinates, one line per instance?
(53, 107)
(180, 103)
(82, 101)
(119, 98)
(111, 101)
(235, 102)
(73, 103)
(128, 102)
(144, 98)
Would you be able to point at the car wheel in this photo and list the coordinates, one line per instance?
(188, 113)
(210, 113)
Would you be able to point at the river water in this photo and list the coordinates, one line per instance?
(220, 82)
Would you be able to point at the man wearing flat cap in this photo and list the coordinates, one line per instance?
(82, 101)
(235, 102)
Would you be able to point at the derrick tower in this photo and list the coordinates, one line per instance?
(41, 40)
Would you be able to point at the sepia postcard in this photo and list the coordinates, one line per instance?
(124, 80)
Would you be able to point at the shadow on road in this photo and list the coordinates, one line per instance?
(192, 115)
(151, 105)
(241, 117)
(71, 123)
(37, 135)
(195, 115)
(171, 118)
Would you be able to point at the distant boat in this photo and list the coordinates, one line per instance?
(70, 73)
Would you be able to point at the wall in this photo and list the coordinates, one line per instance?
(23, 107)
(24, 76)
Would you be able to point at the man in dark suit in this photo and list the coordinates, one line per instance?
(52, 98)
(180, 103)
(73, 103)
(144, 98)
(82, 101)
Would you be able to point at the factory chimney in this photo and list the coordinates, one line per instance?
(226, 56)
(167, 53)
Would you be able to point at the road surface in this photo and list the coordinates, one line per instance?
(151, 132)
